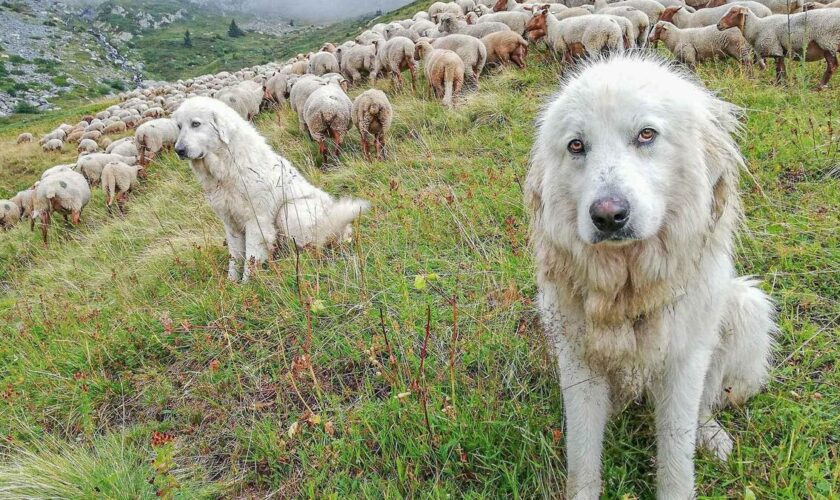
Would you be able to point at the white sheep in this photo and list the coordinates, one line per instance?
(516, 21)
(327, 113)
(127, 146)
(25, 201)
(450, 24)
(91, 165)
(87, 146)
(594, 34)
(437, 9)
(651, 8)
(321, 63)
(639, 22)
(53, 145)
(396, 55)
(10, 214)
(775, 6)
(471, 50)
(815, 33)
(358, 61)
(682, 18)
(66, 193)
(55, 134)
(693, 45)
(444, 71)
(372, 115)
(118, 179)
(24, 137)
(153, 136)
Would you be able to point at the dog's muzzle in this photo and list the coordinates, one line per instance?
(610, 216)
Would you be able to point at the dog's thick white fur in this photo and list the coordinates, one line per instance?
(259, 195)
(654, 306)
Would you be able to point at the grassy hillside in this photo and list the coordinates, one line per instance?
(131, 366)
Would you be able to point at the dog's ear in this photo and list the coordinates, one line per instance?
(722, 155)
(534, 185)
(221, 128)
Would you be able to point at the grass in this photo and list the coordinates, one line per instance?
(127, 351)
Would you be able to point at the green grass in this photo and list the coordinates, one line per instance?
(126, 327)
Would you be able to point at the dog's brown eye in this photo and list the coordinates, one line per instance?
(646, 135)
(576, 147)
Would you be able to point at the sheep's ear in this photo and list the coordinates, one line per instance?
(221, 129)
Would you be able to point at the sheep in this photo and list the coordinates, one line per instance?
(95, 125)
(651, 8)
(444, 71)
(91, 165)
(437, 9)
(504, 47)
(328, 47)
(422, 26)
(396, 55)
(93, 134)
(470, 49)
(577, 36)
(118, 179)
(516, 21)
(56, 169)
(693, 45)
(301, 90)
(66, 193)
(88, 146)
(449, 25)
(681, 18)
(155, 112)
(104, 142)
(372, 115)
(55, 134)
(817, 5)
(328, 112)
(775, 6)
(10, 214)
(341, 50)
(123, 147)
(814, 33)
(115, 128)
(245, 98)
(358, 61)
(395, 29)
(75, 136)
(368, 37)
(24, 137)
(53, 145)
(639, 21)
(466, 5)
(322, 62)
(24, 200)
(153, 136)
(276, 89)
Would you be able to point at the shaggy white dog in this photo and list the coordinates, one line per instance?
(633, 194)
(259, 195)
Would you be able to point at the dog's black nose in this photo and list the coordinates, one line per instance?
(181, 152)
(610, 214)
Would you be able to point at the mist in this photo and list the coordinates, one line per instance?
(319, 10)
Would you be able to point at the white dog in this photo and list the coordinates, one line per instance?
(633, 192)
(259, 195)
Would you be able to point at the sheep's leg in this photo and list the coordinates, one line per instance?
(412, 70)
(31, 224)
(45, 225)
(830, 68)
(322, 148)
(365, 145)
(336, 137)
(75, 217)
(121, 198)
(380, 144)
(781, 74)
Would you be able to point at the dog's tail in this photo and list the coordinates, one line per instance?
(333, 227)
(741, 364)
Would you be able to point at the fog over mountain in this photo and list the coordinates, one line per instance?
(299, 10)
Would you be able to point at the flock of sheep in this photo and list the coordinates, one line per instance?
(454, 41)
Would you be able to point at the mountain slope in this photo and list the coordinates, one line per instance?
(126, 344)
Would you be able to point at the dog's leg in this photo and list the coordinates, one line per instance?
(677, 393)
(236, 250)
(586, 402)
(260, 235)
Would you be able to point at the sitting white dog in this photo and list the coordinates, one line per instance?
(633, 190)
(259, 195)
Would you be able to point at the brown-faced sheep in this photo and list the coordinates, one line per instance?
(693, 45)
(504, 47)
(372, 115)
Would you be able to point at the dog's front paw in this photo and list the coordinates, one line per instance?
(714, 439)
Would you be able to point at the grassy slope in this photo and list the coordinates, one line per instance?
(125, 327)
